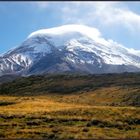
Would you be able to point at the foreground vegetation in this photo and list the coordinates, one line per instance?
(71, 107)
(42, 117)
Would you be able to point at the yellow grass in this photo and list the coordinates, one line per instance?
(69, 119)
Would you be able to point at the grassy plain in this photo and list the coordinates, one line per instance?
(65, 107)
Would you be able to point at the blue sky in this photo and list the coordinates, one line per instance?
(119, 21)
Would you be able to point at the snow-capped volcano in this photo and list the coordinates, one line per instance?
(69, 48)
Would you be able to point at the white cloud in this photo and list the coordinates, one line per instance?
(111, 15)
(103, 13)
(98, 14)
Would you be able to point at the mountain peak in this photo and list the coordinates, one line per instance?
(69, 48)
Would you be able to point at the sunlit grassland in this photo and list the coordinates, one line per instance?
(46, 116)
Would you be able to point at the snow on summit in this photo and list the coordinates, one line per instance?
(73, 36)
(72, 31)
(63, 34)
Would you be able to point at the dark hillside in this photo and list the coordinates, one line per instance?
(116, 89)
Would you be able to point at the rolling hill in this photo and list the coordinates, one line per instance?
(105, 89)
